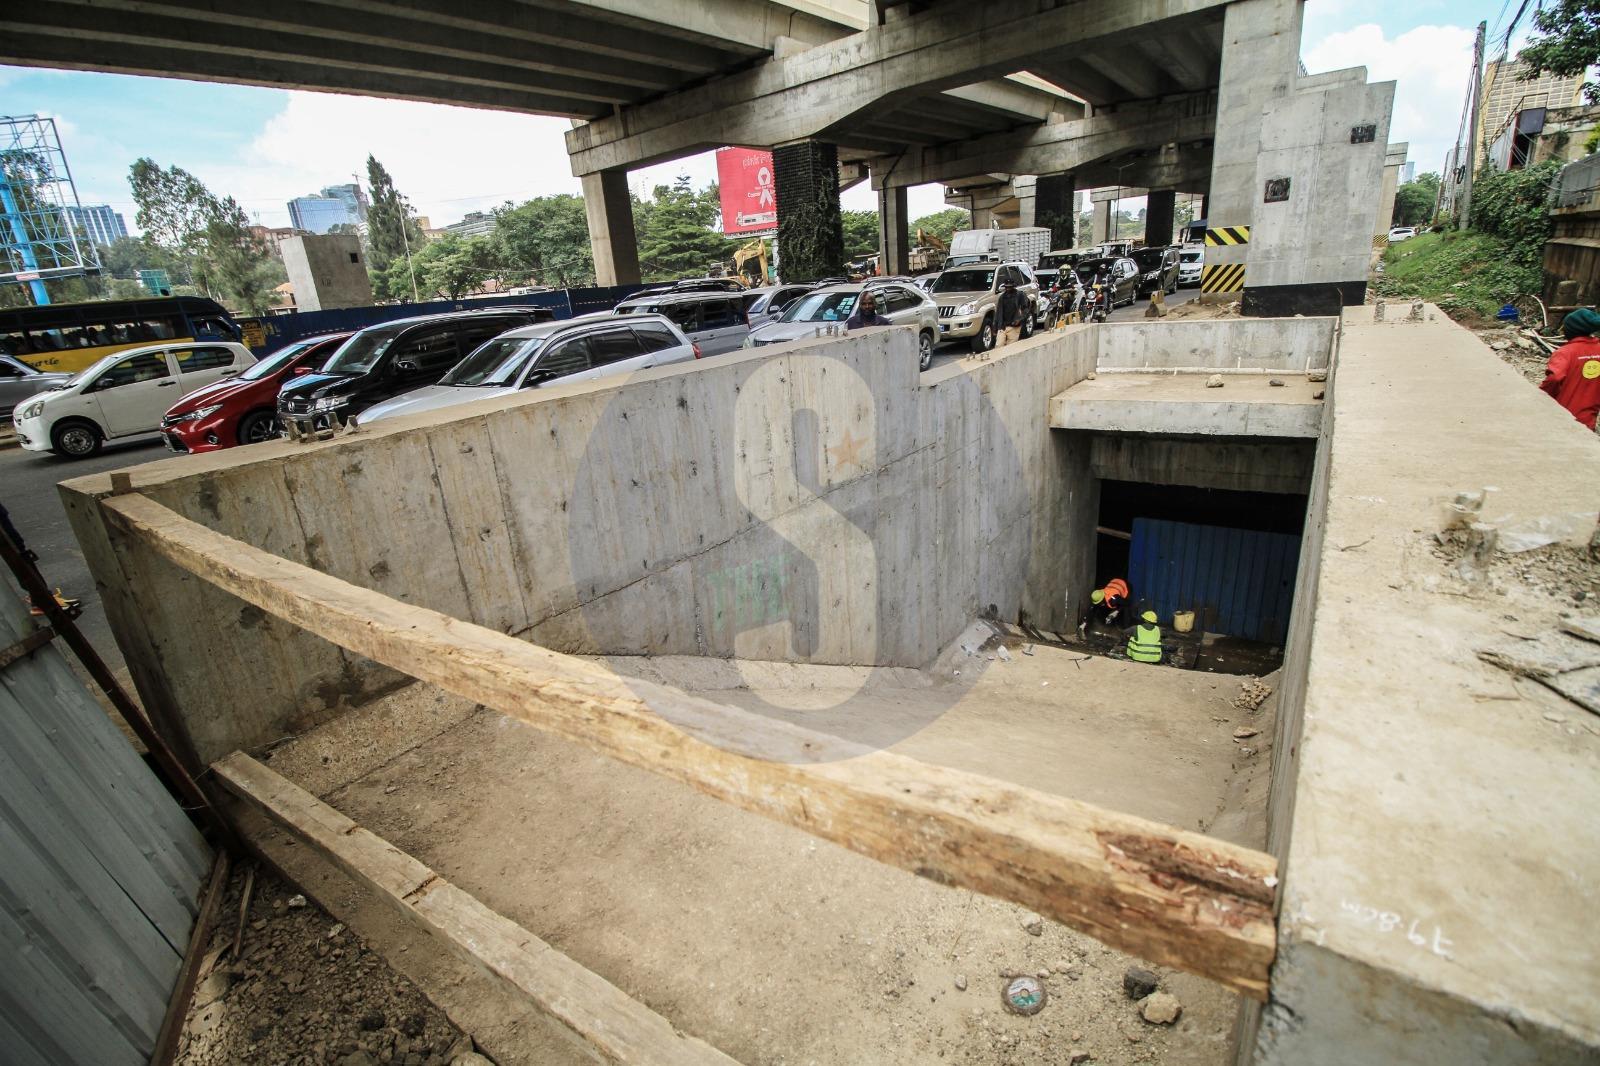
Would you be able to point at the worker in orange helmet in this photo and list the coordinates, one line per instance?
(1109, 601)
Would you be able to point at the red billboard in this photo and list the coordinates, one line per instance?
(749, 195)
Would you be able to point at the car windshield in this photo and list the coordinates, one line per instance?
(964, 281)
(275, 362)
(494, 362)
(1190, 257)
(1089, 267)
(822, 307)
(1148, 258)
(361, 352)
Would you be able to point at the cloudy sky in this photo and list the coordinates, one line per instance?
(265, 146)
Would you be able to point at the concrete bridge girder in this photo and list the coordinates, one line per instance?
(820, 91)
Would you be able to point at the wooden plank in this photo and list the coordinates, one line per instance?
(166, 1048)
(606, 1023)
(1173, 897)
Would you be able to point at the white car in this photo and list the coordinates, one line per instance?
(1191, 264)
(1402, 233)
(573, 349)
(124, 395)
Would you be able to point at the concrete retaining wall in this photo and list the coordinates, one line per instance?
(824, 503)
(1288, 344)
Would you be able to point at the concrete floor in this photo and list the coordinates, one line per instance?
(777, 947)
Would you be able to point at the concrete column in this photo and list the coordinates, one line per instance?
(1160, 206)
(1394, 160)
(810, 230)
(1102, 222)
(1260, 60)
(1056, 206)
(610, 211)
(894, 242)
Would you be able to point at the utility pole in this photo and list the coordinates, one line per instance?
(1464, 216)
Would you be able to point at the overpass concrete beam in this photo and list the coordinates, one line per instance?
(1058, 147)
(820, 90)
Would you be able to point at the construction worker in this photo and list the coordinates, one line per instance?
(1109, 600)
(1144, 640)
(1573, 376)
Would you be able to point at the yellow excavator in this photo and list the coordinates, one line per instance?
(757, 250)
(929, 253)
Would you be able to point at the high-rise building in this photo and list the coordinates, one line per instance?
(353, 197)
(1408, 173)
(476, 224)
(1505, 93)
(319, 214)
(97, 222)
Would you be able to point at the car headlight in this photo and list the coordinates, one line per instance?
(33, 410)
(967, 309)
(329, 403)
(199, 413)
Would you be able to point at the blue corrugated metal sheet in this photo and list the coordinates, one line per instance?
(1239, 582)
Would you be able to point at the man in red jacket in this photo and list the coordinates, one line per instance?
(1573, 376)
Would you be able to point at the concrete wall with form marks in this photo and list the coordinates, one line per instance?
(823, 503)
(1293, 345)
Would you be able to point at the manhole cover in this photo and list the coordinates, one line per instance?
(1026, 995)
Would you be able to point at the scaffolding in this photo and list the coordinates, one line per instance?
(38, 241)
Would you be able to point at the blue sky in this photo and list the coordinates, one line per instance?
(265, 146)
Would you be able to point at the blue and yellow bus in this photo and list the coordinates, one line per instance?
(73, 336)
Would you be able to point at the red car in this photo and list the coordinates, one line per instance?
(243, 409)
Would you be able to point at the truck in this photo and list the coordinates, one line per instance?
(1023, 245)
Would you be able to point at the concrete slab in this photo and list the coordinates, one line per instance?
(776, 947)
(1434, 813)
(1247, 405)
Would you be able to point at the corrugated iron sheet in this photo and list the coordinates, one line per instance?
(100, 871)
(1239, 582)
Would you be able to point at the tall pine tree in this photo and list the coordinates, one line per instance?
(391, 228)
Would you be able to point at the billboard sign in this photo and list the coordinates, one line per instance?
(749, 191)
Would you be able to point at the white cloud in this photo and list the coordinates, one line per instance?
(1429, 65)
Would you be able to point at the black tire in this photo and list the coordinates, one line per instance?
(259, 426)
(76, 439)
(983, 340)
(924, 350)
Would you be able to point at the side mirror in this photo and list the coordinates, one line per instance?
(407, 366)
(304, 370)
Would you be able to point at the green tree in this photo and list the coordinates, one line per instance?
(235, 264)
(942, 223)
(546, 238)
(678, 238)
(206, 238)
(860, 233)
(393, 233)
(1566, 42)
(1413, 201)
(1515, 206)
(453, 266)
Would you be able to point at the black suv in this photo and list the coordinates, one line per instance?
(1158, 269)
(393, 357)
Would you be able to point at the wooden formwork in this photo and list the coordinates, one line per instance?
(1174, 897)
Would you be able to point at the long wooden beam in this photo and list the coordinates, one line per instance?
(606, 1023)
(1167, 895)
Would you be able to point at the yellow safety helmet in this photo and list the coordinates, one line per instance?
(1097, 596)
(1149, 616)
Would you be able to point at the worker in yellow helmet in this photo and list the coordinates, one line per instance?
(1144, 640)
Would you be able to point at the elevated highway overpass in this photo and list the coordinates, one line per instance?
(1161, 94)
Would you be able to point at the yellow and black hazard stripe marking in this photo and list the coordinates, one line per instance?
(1222, 277)
(1227, 235)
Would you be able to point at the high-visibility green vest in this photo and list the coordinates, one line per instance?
(1145, 644)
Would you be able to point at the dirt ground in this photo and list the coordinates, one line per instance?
(772, 945)
(305, 990)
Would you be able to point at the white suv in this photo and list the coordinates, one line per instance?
(124, 395)
(1402, 233)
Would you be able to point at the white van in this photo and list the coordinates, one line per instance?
(124, 395)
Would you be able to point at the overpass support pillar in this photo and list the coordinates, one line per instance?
(1102, 222)
(1159, 208)
(610, 213)
(894, 239)
(1055, 205)
(810, 229)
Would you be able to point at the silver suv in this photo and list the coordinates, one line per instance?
(901, 302)
(969, 298)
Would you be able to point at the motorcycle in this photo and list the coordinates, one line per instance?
(1096, 304)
